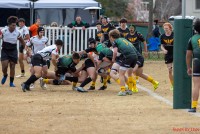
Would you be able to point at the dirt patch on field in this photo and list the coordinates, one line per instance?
(59, 110)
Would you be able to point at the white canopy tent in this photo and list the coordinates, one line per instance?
(63, 11)
(60, 11)
(66, 3)
(16, 4)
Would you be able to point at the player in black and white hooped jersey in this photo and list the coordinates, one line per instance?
(25, 35)
(9, 53)
(39, 60)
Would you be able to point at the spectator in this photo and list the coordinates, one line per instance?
(33, 28)
(78, 23)
(156, 30)
(54, 24)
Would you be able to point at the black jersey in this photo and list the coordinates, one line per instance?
(167, 42)
(106, 29)
(123, 33)
(98, 35)
(135, 39)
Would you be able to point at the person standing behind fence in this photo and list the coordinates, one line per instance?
(167, 41)
(156, 30)
(193, 51)
(123, 27)
(78, 23)
(33, 28)
(25, 35)
(9, 53)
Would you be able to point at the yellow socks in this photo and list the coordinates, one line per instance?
(46, 81)
(118, 81)
(93, 84)
(74, 84)
(105, 81)
(123, 88)
(194, 104)
(136, 77)
(130, 83)
(150, 79)
(172, 82)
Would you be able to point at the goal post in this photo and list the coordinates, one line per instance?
(182, 82)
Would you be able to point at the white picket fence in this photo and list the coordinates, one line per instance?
(74, 40)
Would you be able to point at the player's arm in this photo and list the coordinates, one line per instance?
(92, 58)
(102, 38)
(54, 60)
(80, 68)
(21, 41)
(27, 37)
(115, 50)
(163, 49)
(189, 55)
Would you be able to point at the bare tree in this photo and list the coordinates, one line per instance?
(166, 8)
(137, 10)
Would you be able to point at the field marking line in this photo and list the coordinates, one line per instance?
(166, 101)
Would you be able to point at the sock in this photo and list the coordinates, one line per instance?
(46, 81)
(74, 84)
(85, 82)
(22, 71)
(150, 79)
(32, 79)
(122, 88)
(126, 82)
(72, 79)
(134, 84)
(105, 81)
(194, 104)
(11, 79)
(130, 82)
(93, 83)
(172, 82)
(108, 77)
(136, 77)
(5, 75)
(118, 81)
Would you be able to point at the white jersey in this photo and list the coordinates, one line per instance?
(47, 51)
(24, 31)
(37, 44)
(9, 37)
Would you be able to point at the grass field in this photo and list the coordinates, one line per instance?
(59, 110)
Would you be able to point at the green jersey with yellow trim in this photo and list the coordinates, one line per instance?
(194, 45)
(125, 47)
